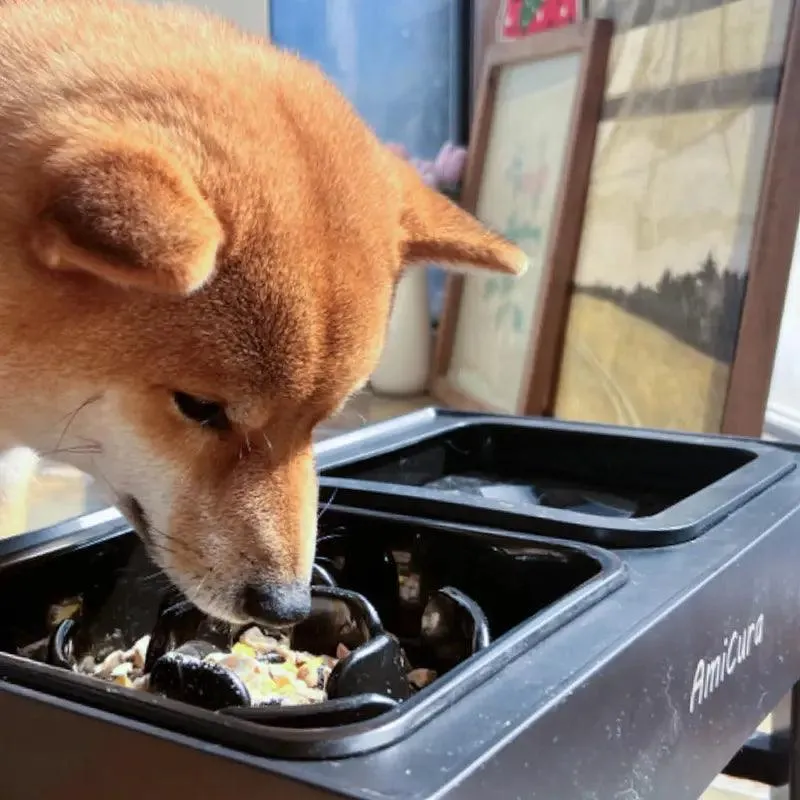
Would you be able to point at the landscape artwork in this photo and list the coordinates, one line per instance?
(673, 198)
(521, 176)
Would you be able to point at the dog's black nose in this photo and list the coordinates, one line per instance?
(278, 603)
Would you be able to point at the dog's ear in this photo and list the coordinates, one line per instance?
(127, 214)
(436, 229)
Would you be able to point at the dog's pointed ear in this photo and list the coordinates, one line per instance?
(127, 214)
(435, 229)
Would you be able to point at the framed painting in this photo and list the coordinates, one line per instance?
(526, 177)
(690, 219)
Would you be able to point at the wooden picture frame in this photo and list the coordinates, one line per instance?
(583, 47)
(487, 30)
(771, 256)
(689, 222)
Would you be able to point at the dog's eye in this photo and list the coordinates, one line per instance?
(204, 412)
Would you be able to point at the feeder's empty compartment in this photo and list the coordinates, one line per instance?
(449, 604)
(613, 488)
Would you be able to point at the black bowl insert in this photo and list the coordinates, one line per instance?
(617, 489)
(456, 603)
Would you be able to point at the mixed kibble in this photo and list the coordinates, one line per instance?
(124, 667)
(272, 671)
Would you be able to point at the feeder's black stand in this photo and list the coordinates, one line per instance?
(763, 759)
(794, 746)
(772, 759)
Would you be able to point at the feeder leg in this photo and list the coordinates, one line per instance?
(794, 746)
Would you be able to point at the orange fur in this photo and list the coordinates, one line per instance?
(185, 208)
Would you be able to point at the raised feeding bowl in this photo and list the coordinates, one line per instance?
(617, 488)
(408, 615)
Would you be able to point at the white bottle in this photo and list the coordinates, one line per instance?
(405, 361)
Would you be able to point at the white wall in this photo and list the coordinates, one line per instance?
(252, 15)
(783, 409)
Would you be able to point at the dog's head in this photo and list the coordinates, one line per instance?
(203, 279)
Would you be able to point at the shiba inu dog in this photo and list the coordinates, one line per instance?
(199, 242)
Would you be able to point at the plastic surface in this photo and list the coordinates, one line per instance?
(629, 670)
(613, 487)
(438, 588)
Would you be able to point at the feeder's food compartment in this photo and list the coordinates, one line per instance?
(340, 653)
(398, 606)
(591, 472)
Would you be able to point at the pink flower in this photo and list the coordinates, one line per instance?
(449, 164)
(446, 169)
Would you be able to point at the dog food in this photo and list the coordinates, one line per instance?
(420, 678)
(124, 667)
(273, 673)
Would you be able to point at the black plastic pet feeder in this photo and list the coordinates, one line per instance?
(568, 661)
